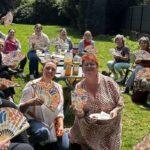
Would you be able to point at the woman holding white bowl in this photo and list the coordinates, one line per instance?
(103, 95)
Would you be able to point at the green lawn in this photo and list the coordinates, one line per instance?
(135, 119)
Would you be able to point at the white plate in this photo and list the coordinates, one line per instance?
(100, 116)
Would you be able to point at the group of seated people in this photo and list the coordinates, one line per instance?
(121, 55)
(46, 131)
(40, 41)
(100, 94)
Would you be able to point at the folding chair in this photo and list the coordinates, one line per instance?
(130, 69)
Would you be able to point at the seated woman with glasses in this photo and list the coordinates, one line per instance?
(42, 102)
(97, 93)
(121, 58)
(85, 42)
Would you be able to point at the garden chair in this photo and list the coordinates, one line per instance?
(130, 69)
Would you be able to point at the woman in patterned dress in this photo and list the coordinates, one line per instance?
(102, 95)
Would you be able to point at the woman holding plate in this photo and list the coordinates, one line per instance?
(42, 101)
(98, 94)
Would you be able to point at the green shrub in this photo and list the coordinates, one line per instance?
(40, 11)
(25, 13)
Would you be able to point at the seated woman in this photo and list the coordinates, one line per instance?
(87, 41)
(63, 42)
(141, 88)
(5, 73)
(19, 142)
(101, 93)
(13, 45)
(121, 58)
(37, 41)
(144, 46)
(42, 101)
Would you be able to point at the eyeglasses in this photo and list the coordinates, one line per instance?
(89, 65)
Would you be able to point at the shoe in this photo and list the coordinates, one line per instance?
(127, 90)
(11, 99)
(114, 76)
(21, 75)
(32, 77)
(120, 80)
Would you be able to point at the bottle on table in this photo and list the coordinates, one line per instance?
(68, 63)
(76, 64)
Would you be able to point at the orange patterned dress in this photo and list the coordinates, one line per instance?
(105, 135)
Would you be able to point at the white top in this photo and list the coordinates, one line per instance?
(43, 113)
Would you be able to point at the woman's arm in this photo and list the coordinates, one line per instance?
(116, 97)
(31, 102)
(19, 45)
(29, 98)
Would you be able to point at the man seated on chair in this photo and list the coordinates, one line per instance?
(121, 56)
(37, 41)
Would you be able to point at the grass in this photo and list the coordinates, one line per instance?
(135, 119)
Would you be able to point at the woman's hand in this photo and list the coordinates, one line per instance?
(4, 145)
(60, 132)
(113, 113)
(36, 101)
(78, 111)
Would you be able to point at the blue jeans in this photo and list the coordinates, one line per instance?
(39, 133)
(130, 81)
(33, 62)
(117, 67)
